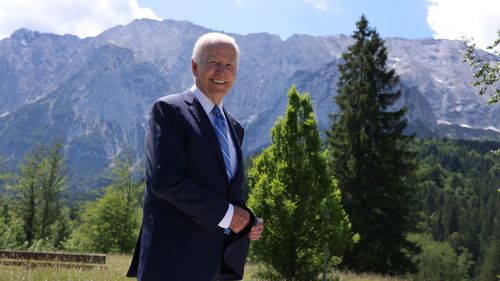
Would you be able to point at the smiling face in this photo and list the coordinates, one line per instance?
(216, 71)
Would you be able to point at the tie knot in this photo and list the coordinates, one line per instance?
(217, 112)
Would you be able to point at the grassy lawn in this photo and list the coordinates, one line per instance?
(116, 269)
(117, 266)
(346, 276)
(251, 269)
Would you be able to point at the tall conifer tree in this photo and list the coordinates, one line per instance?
(490, 267)
(371, 158)
(306, 230)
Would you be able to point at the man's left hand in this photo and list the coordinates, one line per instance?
(257, 229)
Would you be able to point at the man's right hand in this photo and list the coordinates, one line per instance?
(240, 219)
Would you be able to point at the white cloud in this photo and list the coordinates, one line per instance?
(317, 4)
(79, 17)
(454, 19)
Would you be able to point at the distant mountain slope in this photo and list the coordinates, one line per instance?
(95, 93)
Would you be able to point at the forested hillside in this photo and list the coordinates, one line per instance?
(458, 198)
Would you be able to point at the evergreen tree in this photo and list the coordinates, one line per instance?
(456, 192)
(306, 230)
(490, 267)
(371, 157)
(111, 223)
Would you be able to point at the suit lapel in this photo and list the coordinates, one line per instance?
(206, 126)
(237, 144)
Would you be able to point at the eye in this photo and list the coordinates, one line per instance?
(230, 66)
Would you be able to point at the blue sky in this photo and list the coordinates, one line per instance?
(392, 18)
(447, 19)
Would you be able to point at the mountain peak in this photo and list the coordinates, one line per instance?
(25, 36)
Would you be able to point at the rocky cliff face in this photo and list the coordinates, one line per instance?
(94, 94)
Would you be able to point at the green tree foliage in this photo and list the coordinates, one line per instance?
(111, 223)
(37, 203)
(306, 230)
(371, 158)
(438, 261)
(6, 225)
(10, 227)
(28, 193)
(487, 73)
(52, 181)
(490, 267)
(457, 198)
(4, 176)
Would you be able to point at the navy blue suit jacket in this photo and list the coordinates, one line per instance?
(186, 196)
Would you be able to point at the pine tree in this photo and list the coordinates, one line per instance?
(306, 230)
(371, 158)
(490, 267)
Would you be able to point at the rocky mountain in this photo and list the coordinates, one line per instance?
(94, 94)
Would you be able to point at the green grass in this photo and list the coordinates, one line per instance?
(347, 276)
(117, 266)
(251, 269)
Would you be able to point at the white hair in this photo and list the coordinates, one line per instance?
(211, 38)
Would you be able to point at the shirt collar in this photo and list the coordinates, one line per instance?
(205, 102)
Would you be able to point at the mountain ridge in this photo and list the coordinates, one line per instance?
(95, 93)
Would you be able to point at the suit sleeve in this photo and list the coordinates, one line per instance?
(167, 164)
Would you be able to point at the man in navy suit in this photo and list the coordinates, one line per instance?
(196, 226)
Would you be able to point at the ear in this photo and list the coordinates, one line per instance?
(194, 68)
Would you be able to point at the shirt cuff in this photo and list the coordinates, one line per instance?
(226, 220)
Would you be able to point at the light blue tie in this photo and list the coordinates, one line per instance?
(221, 132)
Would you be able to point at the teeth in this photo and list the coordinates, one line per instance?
(219, 81)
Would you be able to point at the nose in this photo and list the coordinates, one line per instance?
(220, 67)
